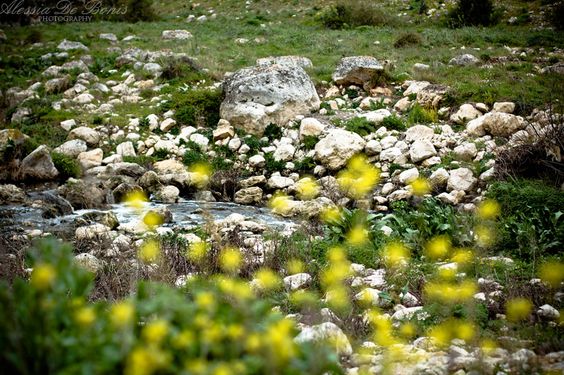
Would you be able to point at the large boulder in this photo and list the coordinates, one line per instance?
(83, 194)
(421, 149)
(466, 112)
(249, 195)
(38, 165)
(357, 70)
(90, 136)
(461, 179)
(289, 61)
(72, 148)
(498, 124)
(11, 194)
(338, 147)
(260, 95)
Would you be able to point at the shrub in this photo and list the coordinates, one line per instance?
(159, 329)
(555, 16)
(419, 115)
(408, 39)
(192, 157)
(160, 154)
(254, 144)
(360, 125)
(273, 165)
(471, 13)
(182, 70)
(273, 131)
(305, 165)
(353, 14)
(393, 122)
(139, 10)
(143, 160)
(66, 165)
(309, 142)
(197, 107)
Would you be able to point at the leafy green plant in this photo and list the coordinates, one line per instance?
(408, 39)
(309, 141)
(273, 165)
(360, 125)
(142, 160)
(254, 143)
(66, 165)
(471, 13)
(272, 132)
(193, 156)
(352, 14)
(196, 107)
(419, 115)
(394, 122)
(305, 165)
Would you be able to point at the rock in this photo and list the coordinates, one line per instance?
(465, 113)
(368, 296)
(310, 126)
(289, 61)
(57, 85)
(461, 179)
(408, 176)
(505, 107)
(357, 70)
(373, 147)
(257, 161)
(466, 151)
(376, 117)
(328, 332)
(390, 154)
(338, 147)
(276, 181)
(91, 232)
(169, 166)
(107, 218)
(124, 189)
(406, 313)
(89, 262)
(125, 149)
(258, 96)
(108, 36)
(68, 124)
(403, 104)
(498, 124)
(90, 136)
(11, 194)
(91, 159)
(120, 168)
(84, 98)
(439, 178)
(252, 181)
(167, 194)
(67, 45)
(167, 124)
(224, 130)
(548, 312)
(38, 165)
(250, 195)
(72, 148)
(431, 95)
(234, 144)
(83, 195)
(201, 140)
(419, 132)
(421, 150)
(464, 60)
(297, 281)
(176, 34)
(284, 152)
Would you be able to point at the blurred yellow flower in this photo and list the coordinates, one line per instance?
(280, 203)
(552, 273)
(464, 330)
(441, 334)
(184, 339)
(518, 309)
(488, 209)
(488, 345)
(253, 342)
(357, 235)
(279, 337)
(205, 300)
(136, 199)
(450, 293)
(268, 279)
(485, 236)
(197, 251)
(420, 186)
(438, 247)
(337, 298)
(407, 330)
(330, 215)
(200, 174)
(307, 188)
(155, 332)
(122, 313)
(294, 266)
(395, 254)
(140, 362)
(196, 366)
(303, 298)
(235, 331)
(462, 256)
(149, 251)
(43, 276)
(153, 219)
(359, 178)
(230, 259)
(85, 316)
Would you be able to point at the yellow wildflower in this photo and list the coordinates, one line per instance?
(280, 204)
(200, 174)
(268, 279)
(122, 313)
(488, 209)
(485, 236)
(43, 276)
(85, 316)
(153, 219)
(136, 199)
(395, 254)
(230, 259)
(462, 256)
(197, 251)
(294, 266)
(331, 215)
(464, 330)
(552, 273)
(149, 251)
(438, 247)
(253, 342)
(155, 332)
(205, 300)
(307, 188)
(407, 330)
(357, 235)
(359, 178)
(420, 186)
(184, 339)
(518, 309)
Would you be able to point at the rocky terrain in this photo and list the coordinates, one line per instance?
(280, 164)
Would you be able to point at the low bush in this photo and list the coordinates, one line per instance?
(48, 325)
(198, 107)
(419, 115)
(408, 39)
(305, 165)
(273, 165)
(309, 142)
(66, 165)
(184, 71)
(394, 122)
(355, 13)
(272, 132)
(360, 125)
(472, 13)
(193, 156)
